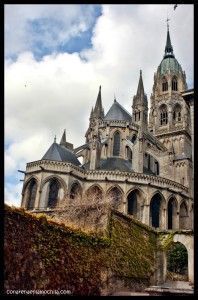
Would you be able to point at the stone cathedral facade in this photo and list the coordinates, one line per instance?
(140, 164)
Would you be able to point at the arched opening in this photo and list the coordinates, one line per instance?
(135, 204)
(94, 194)
(116, 144)
(115, 197)
(174, 84)
(128, 153)
(75, 191)
(134, 137)
(163, 115)
(183, 216)
(177, 262)
(156, 211)
(164, 85)
(53, 193)
(177, 113)
(32, 189)
(172, 213)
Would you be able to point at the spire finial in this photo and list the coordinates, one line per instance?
(114, 98)
(167, 20)
(55, 139)
(140, 72)
(168, 47)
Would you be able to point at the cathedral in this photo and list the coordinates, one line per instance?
(139, 162)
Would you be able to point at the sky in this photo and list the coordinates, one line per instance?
(57, 56)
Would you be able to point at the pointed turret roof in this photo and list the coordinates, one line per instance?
(140, 97)
(98, 110)
(60, 153)
(117, 112)
(140, 89)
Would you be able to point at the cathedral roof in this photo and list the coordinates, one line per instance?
(113, 164)
(117, 112)
(169, 64)
(60, 153)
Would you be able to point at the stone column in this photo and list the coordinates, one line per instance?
(44, 196)
(145, 216)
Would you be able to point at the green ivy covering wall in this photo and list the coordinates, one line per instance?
(41, 254)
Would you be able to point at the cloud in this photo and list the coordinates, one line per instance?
(44, 97)
(40, 28)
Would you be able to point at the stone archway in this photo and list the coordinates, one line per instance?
(114, 196)
(75, 191)
(94, 194)
(157, 217)
(177, 262)
(135, 204)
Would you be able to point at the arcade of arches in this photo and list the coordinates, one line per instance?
(162, 213)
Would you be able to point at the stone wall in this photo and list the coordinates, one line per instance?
(41, 253)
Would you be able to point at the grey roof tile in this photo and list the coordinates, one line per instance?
(60, 153)
(117, 112)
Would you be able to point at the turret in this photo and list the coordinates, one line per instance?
(140, 106)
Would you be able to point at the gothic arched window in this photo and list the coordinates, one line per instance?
(174, 84)
(163, 115)
(177, 113)
(75, 191)
(32, 194)
(116, 144)
(164, 85)
(134, 137)
(53, 193)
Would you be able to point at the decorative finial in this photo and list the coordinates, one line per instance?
(100, 87)
(114, 98)
(55, 139)
(140, 72)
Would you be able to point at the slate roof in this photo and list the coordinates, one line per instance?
(117, 112)
(113, 164)
(60, 153)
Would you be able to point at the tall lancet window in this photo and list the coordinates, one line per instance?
(177, 113)
(32, 194)
(164, 85)
(116, 144)
(174, 84)
(163, 115)
(53, 193)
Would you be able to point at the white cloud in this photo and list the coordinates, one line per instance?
(57, 23)
(44, 97)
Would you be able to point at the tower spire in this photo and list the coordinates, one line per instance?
(98, 110)
(168, 47)
(140, 89)
(63, 139)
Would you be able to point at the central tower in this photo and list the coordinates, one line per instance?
(169, 118)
